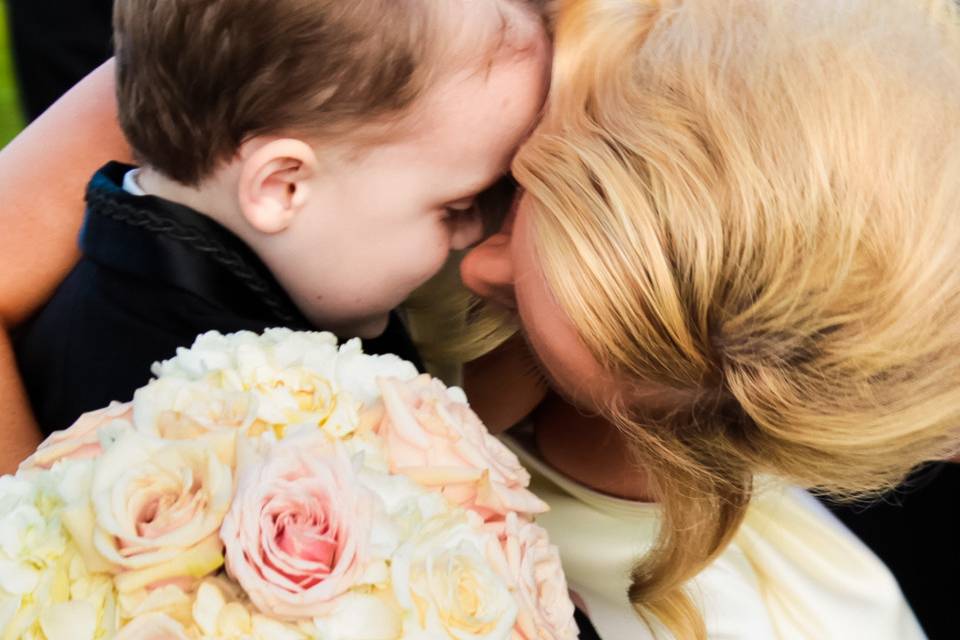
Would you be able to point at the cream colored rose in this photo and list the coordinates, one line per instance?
(287, 395)
(252, 383)
(179, 409)
(298, 377)
(446, 584)
(531, 566)
(300, 396)
(219, 611)
(155, 508)
(245, 359)
(216, 609)
(83, 439)
(438, 441)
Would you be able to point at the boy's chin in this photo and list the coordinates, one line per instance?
(364, 329)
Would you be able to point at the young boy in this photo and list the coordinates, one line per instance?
(304, 163)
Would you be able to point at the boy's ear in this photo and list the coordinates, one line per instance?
(274, 182)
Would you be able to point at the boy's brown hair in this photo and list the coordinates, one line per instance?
(196, 78)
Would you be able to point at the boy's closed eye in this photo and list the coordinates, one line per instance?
(462, 205)
(473, 217)
(465, 221)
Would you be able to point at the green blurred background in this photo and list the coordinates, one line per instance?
(11, 119)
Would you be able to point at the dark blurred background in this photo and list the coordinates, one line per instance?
(46, 46)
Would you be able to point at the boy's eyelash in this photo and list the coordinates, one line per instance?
(464, 209)
(451, 213)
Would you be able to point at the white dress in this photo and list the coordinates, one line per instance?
(792, 572)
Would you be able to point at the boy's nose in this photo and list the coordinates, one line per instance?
(487, 270)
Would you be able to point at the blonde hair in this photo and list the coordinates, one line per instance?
(754, 204)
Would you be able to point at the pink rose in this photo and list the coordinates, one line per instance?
(531, 566)
(297, 534)
(82, 439)
(440, 442)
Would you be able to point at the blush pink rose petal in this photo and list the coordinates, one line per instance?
(297, 534)
(531, 565)
(440, 442)
(82, 439)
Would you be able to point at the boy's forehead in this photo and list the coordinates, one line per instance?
(477, 35)
(467, 125)
(510, 94)
(477, 122)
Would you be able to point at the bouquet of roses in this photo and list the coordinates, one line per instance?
(278, 486)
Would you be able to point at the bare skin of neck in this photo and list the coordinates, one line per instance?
(589, 450)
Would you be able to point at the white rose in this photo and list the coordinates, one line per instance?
(28, 540)
(45, 587)
(446, 585)
(32, 548)
(361, 616)
(357, 372)
(244, 351)
(211, 351)
(293, 347)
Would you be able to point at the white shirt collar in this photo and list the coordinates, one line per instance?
(130, 184)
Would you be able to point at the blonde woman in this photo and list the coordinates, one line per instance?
(738, 243)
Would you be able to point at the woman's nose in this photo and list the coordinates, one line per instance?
(487, 270)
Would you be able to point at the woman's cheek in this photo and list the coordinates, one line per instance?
(571, 368)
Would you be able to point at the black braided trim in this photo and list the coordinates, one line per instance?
(108, 207)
